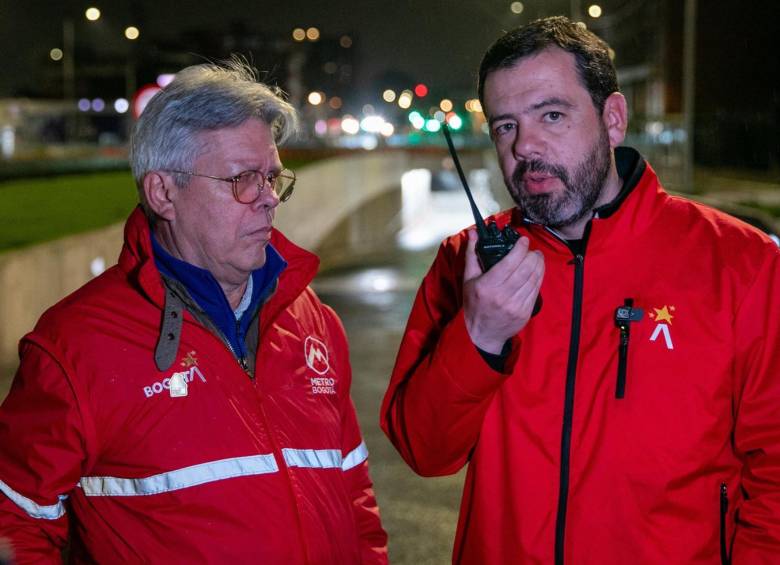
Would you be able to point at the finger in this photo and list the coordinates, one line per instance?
(503, 271)
(528, 287)
(472, 269)
(521, 268)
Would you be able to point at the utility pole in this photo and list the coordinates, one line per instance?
(689, 91)
(575, 10)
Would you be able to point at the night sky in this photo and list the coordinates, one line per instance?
(437, 41)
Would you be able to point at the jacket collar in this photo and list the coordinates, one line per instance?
(137, 261)
(629, 214)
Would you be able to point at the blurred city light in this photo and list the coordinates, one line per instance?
(388, 95)
(369, 142)
(121, 105)
(345, 41)
(98, 105)
(141, 98)
(320, 127)
(473, 105)
(298, 34)
(454, 121)
(432, 125)
(350, 125)
(516, 7)
(92, 14)
(372, 124)
(312, 34)
(420, 90)
(84, 104)
(405, 99)
(330, 68)
(594, 11)
(438, 115)
(387, 129)
(446, 105)
(368, 109)
(416, 119)
(335, 102)
(165, 79)
(55, 54)
(131, 32)
(315, 98)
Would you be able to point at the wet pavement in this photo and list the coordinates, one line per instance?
(373, 301)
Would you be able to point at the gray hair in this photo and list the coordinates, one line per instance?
(202, 98)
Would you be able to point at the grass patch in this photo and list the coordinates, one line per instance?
(35, 210)
(42, 209)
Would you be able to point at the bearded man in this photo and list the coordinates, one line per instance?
(634, 419)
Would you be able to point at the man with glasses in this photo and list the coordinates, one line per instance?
(192, 403)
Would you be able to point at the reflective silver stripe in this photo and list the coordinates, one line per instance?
(180, 478)
(312, 458)
(34, 510)
(325, 458)
(355, 457)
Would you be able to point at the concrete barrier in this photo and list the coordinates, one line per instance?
(34, 278)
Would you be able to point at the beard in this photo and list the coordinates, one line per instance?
(581, 187)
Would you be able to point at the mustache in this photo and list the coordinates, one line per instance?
(537, 166)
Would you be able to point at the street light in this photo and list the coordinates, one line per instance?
(92, 14)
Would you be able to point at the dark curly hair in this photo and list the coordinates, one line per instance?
(594, 66)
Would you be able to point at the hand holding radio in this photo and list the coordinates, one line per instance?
(502, 277)
(499, 303)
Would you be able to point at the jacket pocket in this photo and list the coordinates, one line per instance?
(724, 511)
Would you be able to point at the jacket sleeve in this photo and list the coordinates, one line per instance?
(441, 387)
(757, 409)
(41, 456)
(373, 538)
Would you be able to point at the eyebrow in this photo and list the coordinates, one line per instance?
(552, 101)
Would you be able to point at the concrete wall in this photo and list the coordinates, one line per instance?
(32, 279)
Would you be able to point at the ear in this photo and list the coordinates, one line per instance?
(160, 193)
(615, 118)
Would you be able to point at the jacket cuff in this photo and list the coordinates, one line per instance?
(463, 363)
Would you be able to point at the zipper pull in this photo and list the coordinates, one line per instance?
(244, 365)
(724, 510)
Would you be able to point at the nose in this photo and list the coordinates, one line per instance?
(528, 143)
(267, 197)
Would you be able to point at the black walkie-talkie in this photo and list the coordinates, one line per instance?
(492, 243)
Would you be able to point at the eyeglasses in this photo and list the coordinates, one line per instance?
(249, 185)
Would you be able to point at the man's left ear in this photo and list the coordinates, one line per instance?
(615, 118)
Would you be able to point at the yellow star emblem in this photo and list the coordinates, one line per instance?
(189, 360)
(663, 314)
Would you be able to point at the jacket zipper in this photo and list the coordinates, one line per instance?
(568, 410)
(724, 510)
(624, 326)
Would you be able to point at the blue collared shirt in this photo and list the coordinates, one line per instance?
(208, 294)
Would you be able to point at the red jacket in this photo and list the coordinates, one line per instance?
(561, 468)
(265, 470)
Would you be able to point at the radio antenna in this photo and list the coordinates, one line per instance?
(478, 220)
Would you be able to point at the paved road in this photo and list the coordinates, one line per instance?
(419, 514)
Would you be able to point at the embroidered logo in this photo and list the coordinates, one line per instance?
(178, 383)
(189, 360)
(663, 319)
(316, 354)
